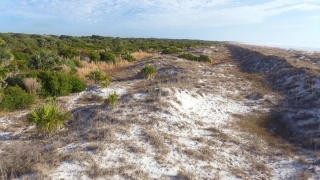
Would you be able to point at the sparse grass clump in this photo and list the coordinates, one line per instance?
(100, 77)
(112, 99)
(149, 71)
(32, 85)
(49, 118)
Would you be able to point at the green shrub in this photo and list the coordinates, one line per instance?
(21, 56)
(204, 58)
(16, 98)
(69, 63)
(112, 99)
(16, 81)
(49, 118)
(170, 51)
(100, 77)
(107, 57)
(188, 56)
(129, 57)
(149, 71)
(68, 52)
(59, 83)
(94, 56)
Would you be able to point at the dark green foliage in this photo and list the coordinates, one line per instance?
(44, 60)
(107, 57)
(204, 58)
(59, 83)
(129, 57)
(68, 52)
(16, 81)
(188, 56)
(77, 84)
(16, 98)
(31, 43)
(94, 56)
(170, 51)
(191, 57)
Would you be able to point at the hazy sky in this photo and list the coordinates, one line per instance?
(294, 22)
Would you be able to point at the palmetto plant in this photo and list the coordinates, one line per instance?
(49, 118)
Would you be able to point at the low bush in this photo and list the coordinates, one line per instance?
(204, 58)
(188, 56)
(129, 57)
(49, 118)
(16, 98)
(191, 57)
(149, 71)
(44, 60)
(107, 57)
(170, 51)
(59, 83)
(16, 81)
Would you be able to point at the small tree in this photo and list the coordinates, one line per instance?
(149, 71)
(49, 118)
(112, 99)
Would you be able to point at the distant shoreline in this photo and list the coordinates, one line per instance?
(287, 47)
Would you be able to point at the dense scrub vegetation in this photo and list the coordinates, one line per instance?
(34, 66)
(201, 58)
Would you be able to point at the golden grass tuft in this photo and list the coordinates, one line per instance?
(141, 55)
(87, 67)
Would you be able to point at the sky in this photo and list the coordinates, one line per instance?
(286, 22)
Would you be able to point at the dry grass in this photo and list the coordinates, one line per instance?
(90, 98)
(157, 140)
(87, 67)
(260, 138)
(304, 175)
(185, 175)
(126, 171)
(18, 159)
(141, 55)
(32, 85)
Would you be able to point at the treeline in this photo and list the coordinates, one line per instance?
(24, 45)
